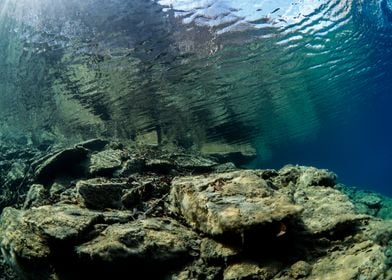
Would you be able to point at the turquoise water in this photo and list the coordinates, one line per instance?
(305, 82)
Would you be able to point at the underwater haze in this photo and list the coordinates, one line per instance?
(304, 81)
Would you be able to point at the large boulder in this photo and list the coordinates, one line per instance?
(66, 162)
(149, 246)
(23, 249)
(325, 209)
(229, 202)
(148, 240)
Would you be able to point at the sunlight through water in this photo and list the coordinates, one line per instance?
(301, 81)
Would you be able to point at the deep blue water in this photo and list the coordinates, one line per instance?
(358, 149)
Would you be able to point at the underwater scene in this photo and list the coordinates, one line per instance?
(196, 139)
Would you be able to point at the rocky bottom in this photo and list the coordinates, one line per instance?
(99, 210)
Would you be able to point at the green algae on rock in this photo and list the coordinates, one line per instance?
(226, 202)
(164, 222)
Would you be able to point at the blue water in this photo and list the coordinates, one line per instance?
(303, 81)
(358, 148)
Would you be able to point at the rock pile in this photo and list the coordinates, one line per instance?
(101, 211)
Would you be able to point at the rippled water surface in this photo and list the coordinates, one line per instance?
(305, 82)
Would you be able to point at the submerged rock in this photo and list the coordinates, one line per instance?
(367, 202)
(250, 270)
(229, 202)
(223, 152)
(143, 242)
(193, 163)
(36, 196)
(22, 248)
(93, 144)
(100, 193)
(300, 269)
(212, 250)
(325, 209)
(364, 260)
(104, 163)
(63, 162)
(173, 215)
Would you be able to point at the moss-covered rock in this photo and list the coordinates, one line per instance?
(229, 202)
(172, 215)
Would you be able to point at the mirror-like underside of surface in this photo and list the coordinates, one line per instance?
(271, 74)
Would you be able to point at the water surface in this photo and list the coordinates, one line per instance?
(305, 82)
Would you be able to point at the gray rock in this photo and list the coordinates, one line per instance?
(25, 236)
(193, 163)
(36, 196)
(64, 162)
(118, 216)
(385, 212)
(16, 172)
(131, 166)
(371, 200)
(324, 209)
(370, 203)
(21, 247)
(225, 167)
(362, 208)
(227, 202)
(212, 250)
(101, 193)
(160, 165)
(143, 241)
(311, 176)
(93, 144)
(199, 269)
(6, 271)
(244, 224)
(61, 222)
(305, 176)
(56, 189)
(379, 231)
(364, 260)
(300, 269)
(106, 162)
(251, 270)
(223, 152)
(131, 199)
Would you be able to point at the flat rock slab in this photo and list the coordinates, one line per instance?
(193, 163)
(61, 222)
(99, 193)
(229, 202)
(325, 209)
(149, 240)
(223, 152)
(106, 162)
